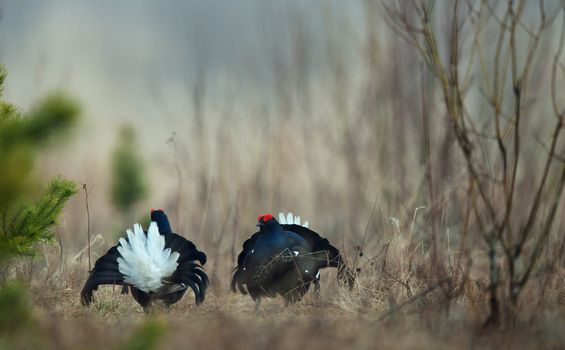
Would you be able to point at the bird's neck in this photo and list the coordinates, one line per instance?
(163, 224)
(274, 230)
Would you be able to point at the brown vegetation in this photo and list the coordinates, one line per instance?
(436, 165)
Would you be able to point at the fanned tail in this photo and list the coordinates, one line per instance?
(289, 219)
(144, 261)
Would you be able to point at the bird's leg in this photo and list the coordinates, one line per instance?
(147, 308)
(125, 289)
(257, 303)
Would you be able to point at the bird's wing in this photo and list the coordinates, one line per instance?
(193, 276)
(185, 248)
(247, 246)
(189, 271)
(105, 271)
(297, 243)
(326, 254)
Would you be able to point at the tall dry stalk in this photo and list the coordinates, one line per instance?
(492, 142)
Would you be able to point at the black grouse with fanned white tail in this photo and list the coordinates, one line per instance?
(156, 265)
(284, 259)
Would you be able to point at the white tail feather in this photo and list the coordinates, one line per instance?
(144, 260)
(289, 219)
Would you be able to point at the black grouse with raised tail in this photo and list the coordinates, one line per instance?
(156, 265)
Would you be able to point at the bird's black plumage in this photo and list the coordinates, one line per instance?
(284, 260)
(162, 220)
(188, 274)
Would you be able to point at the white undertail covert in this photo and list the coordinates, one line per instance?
(144, 260)
(289, 219)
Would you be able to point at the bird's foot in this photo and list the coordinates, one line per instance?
(257, 303)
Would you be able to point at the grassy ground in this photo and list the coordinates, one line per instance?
(376, 314)
(365, 126)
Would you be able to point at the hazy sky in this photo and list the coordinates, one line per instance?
(119, 54)
(124, 59)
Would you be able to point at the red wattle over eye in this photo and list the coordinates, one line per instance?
(264, 217)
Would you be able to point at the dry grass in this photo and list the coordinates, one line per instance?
(395, 304)
(337, 319)
(365, 120)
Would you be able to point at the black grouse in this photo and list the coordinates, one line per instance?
(156, 265)
(284, 259)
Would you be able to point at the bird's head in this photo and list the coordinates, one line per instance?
(159, 216)
(266, 220)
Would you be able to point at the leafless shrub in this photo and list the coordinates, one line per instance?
(492, 141)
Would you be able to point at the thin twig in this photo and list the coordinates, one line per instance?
(85, 189)
(413, 299)
(361, 246)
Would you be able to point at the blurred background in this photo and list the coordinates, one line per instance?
(237, 107)
(227, 109)
(217, 111)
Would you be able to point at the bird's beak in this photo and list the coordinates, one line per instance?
(260, 224)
